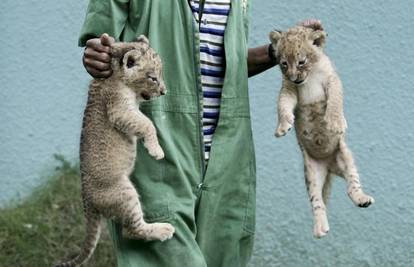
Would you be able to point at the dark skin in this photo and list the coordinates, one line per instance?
(97, 58)
(259, 60)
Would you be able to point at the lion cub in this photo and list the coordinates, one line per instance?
(311, 99)
(111, 124)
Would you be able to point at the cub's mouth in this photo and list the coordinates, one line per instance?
(145, 96)
(300, 81)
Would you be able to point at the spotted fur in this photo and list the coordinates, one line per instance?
(311, 99)
(111, 124)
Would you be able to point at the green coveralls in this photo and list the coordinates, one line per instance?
(212, 207)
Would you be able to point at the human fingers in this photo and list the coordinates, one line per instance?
(98, 73)
(96, 64)
(95, 44)
(107, 40)
(312, 23)
(95, 55)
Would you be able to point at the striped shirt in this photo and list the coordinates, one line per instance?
(212, 61)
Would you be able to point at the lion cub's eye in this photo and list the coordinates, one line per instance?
(130, 63)
(302, 62)
(284, 64)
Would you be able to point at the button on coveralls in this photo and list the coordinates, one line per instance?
(212, 208)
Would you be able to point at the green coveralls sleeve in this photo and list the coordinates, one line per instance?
(104, 16)
(211, 206)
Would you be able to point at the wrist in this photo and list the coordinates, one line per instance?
(271, 53)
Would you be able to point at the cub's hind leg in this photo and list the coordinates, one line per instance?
(126, 208)
(316, 173)
(345, 167)
(326, 190)
(131, 215)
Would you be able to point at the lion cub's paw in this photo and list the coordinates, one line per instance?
(321, 227)
(156, 152)
(362, 200)
(283, 128)
(161, 231)
(150, 232)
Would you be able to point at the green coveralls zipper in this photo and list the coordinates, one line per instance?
(196, 50)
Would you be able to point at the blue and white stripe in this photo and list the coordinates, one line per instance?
(212, 61)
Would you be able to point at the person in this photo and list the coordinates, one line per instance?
(206, 184)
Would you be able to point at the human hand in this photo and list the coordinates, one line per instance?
(312, 23)
(96, 57)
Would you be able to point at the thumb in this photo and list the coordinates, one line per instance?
(107, 40)
(314, 24)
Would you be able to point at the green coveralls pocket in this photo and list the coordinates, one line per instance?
(149, 175)
(249, 224)
(154, 199)
(241, 199)
(157, 213)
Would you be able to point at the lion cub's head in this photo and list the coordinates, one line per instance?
(139, 67)
(297, 50)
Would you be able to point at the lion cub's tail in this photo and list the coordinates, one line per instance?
(93, 232)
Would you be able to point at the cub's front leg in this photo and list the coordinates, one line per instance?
(286, 105)
(334, 115)
(149, 134)
(123, 113)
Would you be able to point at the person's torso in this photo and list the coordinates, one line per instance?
(211, 18)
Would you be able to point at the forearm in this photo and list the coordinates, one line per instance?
(286, 104)
(123, 113)
(259, 60)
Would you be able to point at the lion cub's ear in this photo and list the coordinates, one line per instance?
(142, 38)
(318, 38)
(118, 50)
(275, 35)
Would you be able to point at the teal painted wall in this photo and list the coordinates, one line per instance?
(43, 90)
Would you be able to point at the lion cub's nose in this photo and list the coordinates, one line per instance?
(163, 90)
